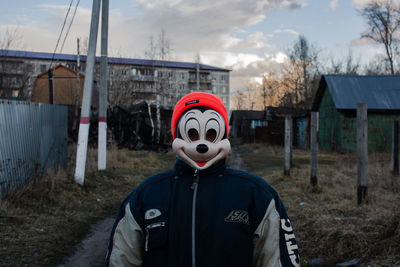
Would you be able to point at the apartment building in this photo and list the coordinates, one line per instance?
(130, 80)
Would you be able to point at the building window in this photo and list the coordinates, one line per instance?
(170, 74)
(225, 99)
(160, 74)
(182, 86)
(71, 66)
(214, 77)
(15, 94)
(223, 89)
(133, 72)
(123, 72)
(182, 76)
(214, 89)
(43, 67)
(29, 67)
(224, 78)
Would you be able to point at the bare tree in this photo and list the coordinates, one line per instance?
(264, 91)
(301, 74)
(348, 65)
(122, 91)
(164, 45)
(237, 99)
(160, 50)
(383, 20)
(269, 90)
(14, 73)
(375, 66)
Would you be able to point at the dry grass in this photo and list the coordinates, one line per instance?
(327, 220)
(42, 222)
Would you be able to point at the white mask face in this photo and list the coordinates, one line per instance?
(200, 141)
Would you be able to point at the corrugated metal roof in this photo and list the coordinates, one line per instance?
(378, 92)
(113, 60)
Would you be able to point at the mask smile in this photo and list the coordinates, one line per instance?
(201, 163)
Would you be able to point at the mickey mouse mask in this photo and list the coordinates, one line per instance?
(199, 130)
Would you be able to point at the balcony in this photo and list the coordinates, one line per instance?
(143, 78)
(194, 80)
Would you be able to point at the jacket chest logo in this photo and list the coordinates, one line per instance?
(151, 214)
(238, 216)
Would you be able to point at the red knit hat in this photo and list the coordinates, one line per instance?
(197, 99)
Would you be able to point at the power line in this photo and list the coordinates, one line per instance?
(70, 24)
(59, 37)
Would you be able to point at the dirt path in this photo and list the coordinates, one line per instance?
(92, 250)
(235, 160)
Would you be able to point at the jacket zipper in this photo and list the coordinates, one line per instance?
(148, 227)
(194, 188)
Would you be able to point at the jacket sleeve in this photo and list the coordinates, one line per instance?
(274, 240)
(126, 242)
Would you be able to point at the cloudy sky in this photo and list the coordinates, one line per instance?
(250, 37)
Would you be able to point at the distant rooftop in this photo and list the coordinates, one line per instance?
(379, 92)
(112, 60)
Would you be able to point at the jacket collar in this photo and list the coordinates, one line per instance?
(182, 166)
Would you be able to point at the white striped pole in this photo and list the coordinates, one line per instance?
(81, 152)
(102, 141)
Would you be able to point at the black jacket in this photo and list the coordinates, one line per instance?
(215, 217)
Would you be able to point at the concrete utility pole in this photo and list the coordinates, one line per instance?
(102, 141)
(78, 86)
(81, 152)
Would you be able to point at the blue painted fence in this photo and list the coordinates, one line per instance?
(33, 139)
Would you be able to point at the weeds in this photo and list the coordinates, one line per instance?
(43, 221)
(49, 216)
(327, 220)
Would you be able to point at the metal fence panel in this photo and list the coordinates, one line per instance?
(33, 139)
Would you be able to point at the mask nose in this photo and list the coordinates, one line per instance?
(202, 148)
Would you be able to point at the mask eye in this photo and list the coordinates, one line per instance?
(192, 129)
(212, 130)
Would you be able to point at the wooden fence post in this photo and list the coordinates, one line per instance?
(362, 153)
(288, 144)
(314, 148)
(395, 148)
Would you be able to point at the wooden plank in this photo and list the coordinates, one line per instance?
(314, 148)
(395, 148)
(362, 153)
(288, 144)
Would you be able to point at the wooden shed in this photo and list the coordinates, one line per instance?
(336, 101)
(268, 126)
(64, 87)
